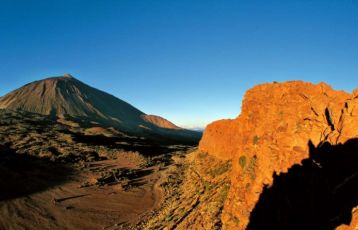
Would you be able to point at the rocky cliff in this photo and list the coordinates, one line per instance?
(292, 148)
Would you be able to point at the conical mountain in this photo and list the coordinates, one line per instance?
(65, 96)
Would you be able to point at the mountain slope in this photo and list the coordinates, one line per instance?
(159, 121)
(294, 156)
(66, 96)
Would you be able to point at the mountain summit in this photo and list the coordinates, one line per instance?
(65, 96)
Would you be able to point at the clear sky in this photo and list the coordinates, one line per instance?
(189, 61)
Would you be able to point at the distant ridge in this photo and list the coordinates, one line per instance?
(65, 96)
(159, 121)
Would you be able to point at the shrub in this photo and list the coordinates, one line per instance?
(208, 186)
(251, 168)
(242, 161)
(256, 140)
(221, 169)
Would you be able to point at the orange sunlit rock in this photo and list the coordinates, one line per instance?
(272, 134)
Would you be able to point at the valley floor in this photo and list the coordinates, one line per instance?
(80, 203)
(66, 175)
(129, 192)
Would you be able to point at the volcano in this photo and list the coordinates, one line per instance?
(66, 97)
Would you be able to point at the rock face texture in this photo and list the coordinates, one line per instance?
(66, 96)
(284, 133)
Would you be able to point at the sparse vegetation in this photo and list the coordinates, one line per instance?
(242, 161)
(208, 186)
(168, 218)
(219, 170)
(255, 140)
(251, 168)
(225, 191)
(248, 168)
(203, 188)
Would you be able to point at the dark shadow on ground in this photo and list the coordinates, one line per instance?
(22, 175)
(136, 179)
(319, 194)
(144, 147)
(149, 143)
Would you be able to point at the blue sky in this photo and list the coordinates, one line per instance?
(186, 60)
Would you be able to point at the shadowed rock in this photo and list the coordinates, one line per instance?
(318, 194)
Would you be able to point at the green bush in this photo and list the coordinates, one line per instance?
(251, 168)
(242, 161)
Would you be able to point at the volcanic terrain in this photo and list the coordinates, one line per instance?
(65, 97)
(74, 157)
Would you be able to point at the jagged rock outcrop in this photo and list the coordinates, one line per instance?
(65, 96)
(272, 134)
